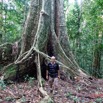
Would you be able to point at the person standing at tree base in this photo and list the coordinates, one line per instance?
(52, 74)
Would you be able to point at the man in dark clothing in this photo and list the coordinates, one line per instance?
(53, 73)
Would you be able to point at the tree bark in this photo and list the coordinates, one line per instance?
(30, 26)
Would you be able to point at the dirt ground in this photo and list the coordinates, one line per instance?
(79, 91)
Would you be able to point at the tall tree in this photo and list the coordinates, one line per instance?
(94, 22)
(37, 32)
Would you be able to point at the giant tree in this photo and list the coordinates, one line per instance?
(44, 35)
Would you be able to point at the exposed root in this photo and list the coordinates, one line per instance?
(61, 64)
(46, 97)
(5, 44)
(73, 68)
(24, 58)
(20, 56)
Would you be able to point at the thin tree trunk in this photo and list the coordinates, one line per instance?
(97, 57)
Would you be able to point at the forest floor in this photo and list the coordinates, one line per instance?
(79, 91)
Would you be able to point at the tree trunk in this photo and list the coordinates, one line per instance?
(31, 24)
(45, 33)
(97, 57)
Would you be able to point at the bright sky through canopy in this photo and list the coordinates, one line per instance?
(72, 1)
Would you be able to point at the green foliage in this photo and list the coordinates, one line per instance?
(72, 21)
(31, 81)
(72, 97)
(50, 101)
(84, 24)
(9, 99)
(76, 100)
(2, 84)
(99, 100)
(26, 78)
(13, 16)
(23, 99)
(69, 94)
